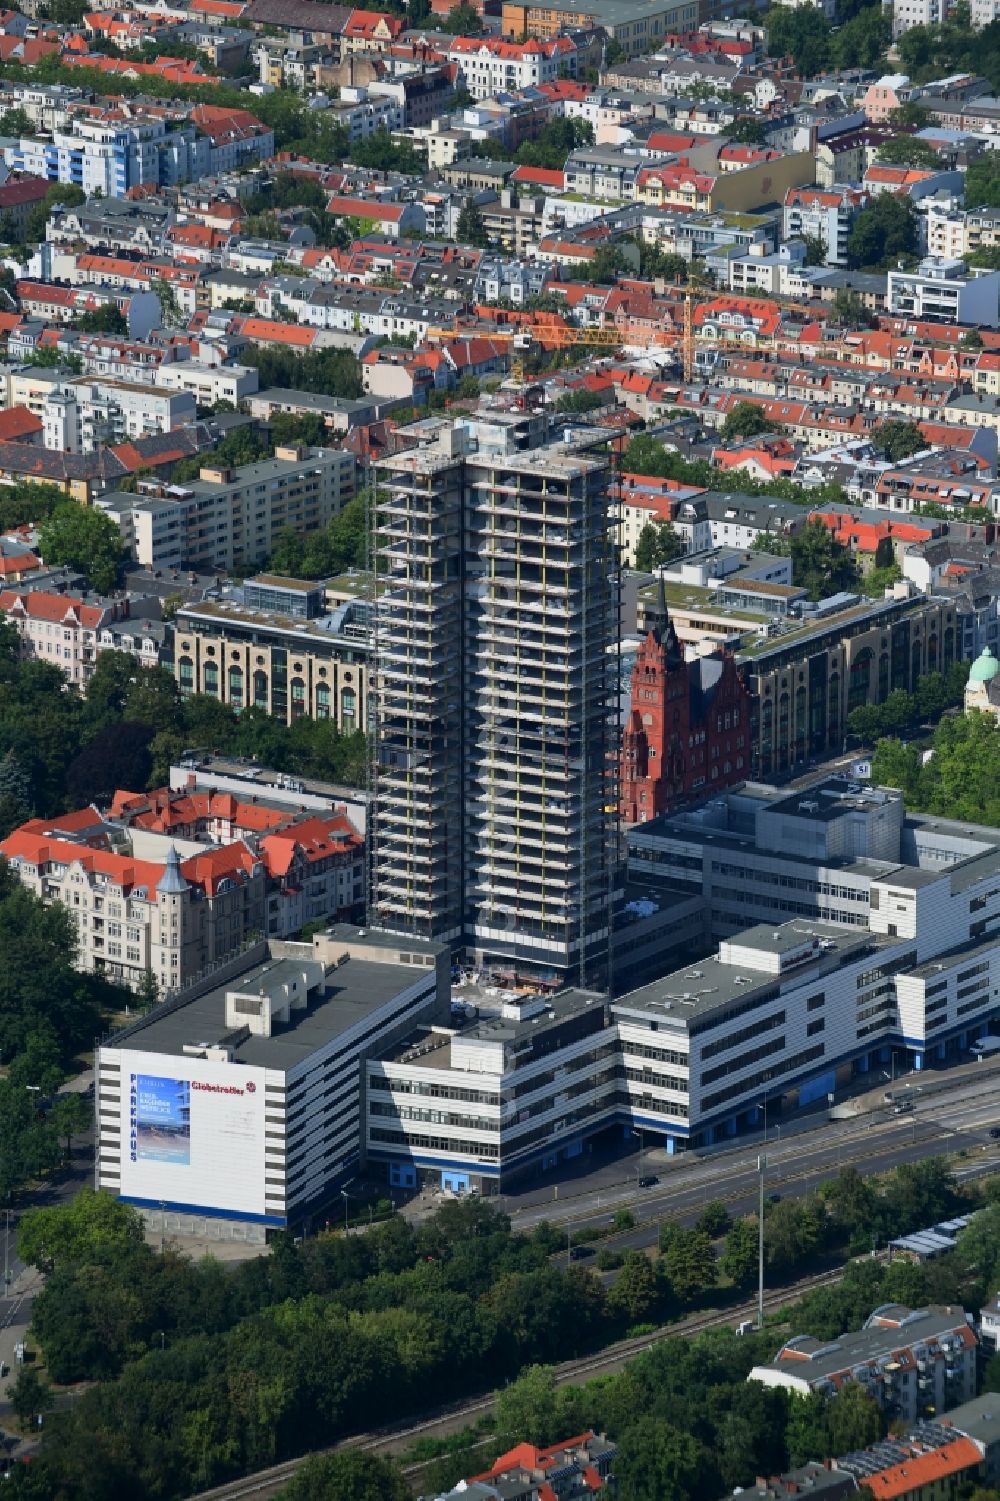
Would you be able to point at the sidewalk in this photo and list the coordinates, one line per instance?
(15, 1317)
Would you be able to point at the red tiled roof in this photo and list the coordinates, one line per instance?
(230, 8)
(922, 1470)
(208, 868)
(22, 190)
(18, 422)
(163, 810)
(314, 837)
(365, 208)
(270, 331)
(54, 607)
(543, 177)
(32, 842)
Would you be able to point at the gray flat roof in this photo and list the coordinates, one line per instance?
(974, 869)
(351, 992)
(708, 985)
(224, 612)
(951, 957)
(311, 399)
(834, 1356)
(492, 1028)
(980, 1418)
(833, 798)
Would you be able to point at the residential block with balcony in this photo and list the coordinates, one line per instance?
(914, 1362)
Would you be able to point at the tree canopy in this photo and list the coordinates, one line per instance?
(201, 1371)
(804, 33)
(882, 233)
(960, 778)
(83, 538)
(746, 420)
(657, 544)
(899, 440)
(820, 563)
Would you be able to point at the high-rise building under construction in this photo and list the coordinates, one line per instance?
(494, 822)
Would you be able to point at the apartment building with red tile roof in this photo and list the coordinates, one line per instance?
(926, 1474)
(166, 916)
(270, 331)
(577, 1467)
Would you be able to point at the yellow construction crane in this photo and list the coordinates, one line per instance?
(564, 336)
(546, 335)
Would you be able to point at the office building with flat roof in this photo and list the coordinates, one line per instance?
(788, 1011)
(472, 1106)
(279, 649)
(243, 1102)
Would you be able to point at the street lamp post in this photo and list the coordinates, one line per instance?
(638, 1132)
(347, 1202)
(761, 1165)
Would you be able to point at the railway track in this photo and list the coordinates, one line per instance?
(388, 1441)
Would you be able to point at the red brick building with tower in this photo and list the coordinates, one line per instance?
(689, 727)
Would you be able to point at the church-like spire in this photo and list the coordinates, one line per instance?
(663, 631)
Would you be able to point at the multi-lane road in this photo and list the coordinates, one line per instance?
(941, 1123)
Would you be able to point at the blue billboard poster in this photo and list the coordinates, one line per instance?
(161, 1119)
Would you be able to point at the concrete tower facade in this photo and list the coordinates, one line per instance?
(494, 824)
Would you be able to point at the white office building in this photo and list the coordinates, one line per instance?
(896, 949)
(242, 1103)
(470, 1106)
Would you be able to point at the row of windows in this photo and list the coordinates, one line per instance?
(737, 1065)
(433, 1091)
(764, 1076)
(793, 883)
(723, 1044)
(657, 1055)
(654, 1106)
(974, 1005)
(434, 1117)
(745, 897)
(657, 1081)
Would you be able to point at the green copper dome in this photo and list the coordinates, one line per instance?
(985, 668)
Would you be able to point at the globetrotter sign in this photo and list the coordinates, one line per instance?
(192, 1133)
